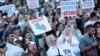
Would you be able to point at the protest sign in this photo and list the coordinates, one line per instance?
(2, 1)
(46, 0)
(10, 9)
(86, 4)
(68, 7)
(57, 0)
(40, 25)
(32, 4)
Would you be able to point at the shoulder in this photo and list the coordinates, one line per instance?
(83, 39)
(50, 49)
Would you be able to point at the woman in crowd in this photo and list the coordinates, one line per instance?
(31, 49)
(60, 28)
(53, 49)
(68, 42)
(26, 40)
(97, 35)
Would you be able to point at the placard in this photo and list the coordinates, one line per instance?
(2, 1)
(86, 4)
(46, 0)
(68, 7)
(10, 9)
(32, 4)
(40, 25)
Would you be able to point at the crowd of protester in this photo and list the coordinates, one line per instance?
(70, 36)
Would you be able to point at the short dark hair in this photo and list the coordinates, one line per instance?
(88, 27)
(8, 33)
(93, 14)
(96, 24)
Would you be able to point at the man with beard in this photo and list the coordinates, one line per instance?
(88, 43)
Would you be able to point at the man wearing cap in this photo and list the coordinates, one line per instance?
(16, 31)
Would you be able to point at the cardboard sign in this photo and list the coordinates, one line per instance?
(32, 4)
(68, 8)
(10, 9)
(40, 25)
(86, 4)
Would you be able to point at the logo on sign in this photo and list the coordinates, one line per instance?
(40, 27)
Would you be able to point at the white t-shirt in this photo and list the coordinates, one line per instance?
(89, 22)
(13, 50)
(19, 38)
(67, 49)
(73, 47)
(53, 51)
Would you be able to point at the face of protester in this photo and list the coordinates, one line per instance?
(53, 25)
(53, 40)
(73, 22)
(94, 18)
(32, 48)
(69, 32)
(98, 10)
(27, 40)
(61, 27)
(27, 17)
(11, 37)
(27, 35)
(17, 31)
(91, 32)
(45, 5)
(86, 16)
(98, 30)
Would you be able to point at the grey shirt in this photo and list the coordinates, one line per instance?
(87, 41)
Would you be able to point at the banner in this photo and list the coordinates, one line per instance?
(87, 4)
(32, 4)
(10, 9)
(68, 7)
(40, 25)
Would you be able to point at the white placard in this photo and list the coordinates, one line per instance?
(57, 1)
(32, 4)
(46, 0)
(40, 25)
(86, 4)
(68, 7)
(10, 9)
(2, 1)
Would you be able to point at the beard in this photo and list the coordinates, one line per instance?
(91, 35)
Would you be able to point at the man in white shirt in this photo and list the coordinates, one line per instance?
(92, 20)
(12, 50)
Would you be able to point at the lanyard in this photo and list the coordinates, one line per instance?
(58, 52)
